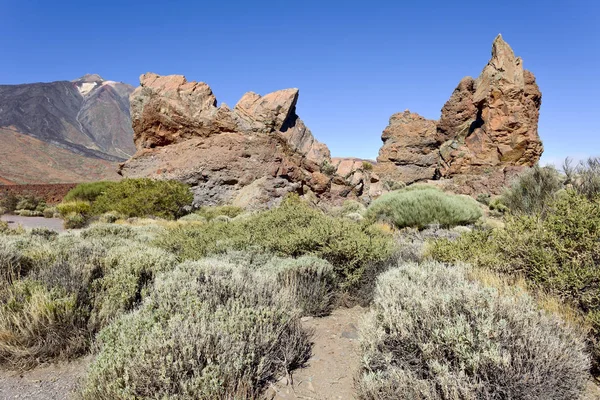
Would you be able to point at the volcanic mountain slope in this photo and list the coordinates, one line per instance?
(82, 124)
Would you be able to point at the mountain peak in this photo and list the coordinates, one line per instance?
(89, 78)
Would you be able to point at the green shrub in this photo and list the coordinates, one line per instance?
(292, 230)
(393, 185)
(29, 213)
(49, 212)
(211, 212)
(432, 334)
(3, 211)
(367, 166)
(533, 190)
(3, 227)
(327, 168)
(75, 221)
(193, 218)
(30, 203)
(74, 207)
(212, 330)
(557, 253)
(8, 201)
(484, 198)
(585, 177)
(418, 206)
(88, 191)
(145, 198)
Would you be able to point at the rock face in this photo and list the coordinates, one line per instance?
(251, 155)
(487, 125)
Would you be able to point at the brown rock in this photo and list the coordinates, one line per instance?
(409, 152)
(487, 126)
(252, 155)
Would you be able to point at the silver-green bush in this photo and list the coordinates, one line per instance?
(432, 334)
(207, 330)
(419, 205)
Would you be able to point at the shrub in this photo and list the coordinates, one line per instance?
(3, 211)
(213, 330)
(484, 198)
(8, 201)
(367, 166)
(432, 334)
(211, 212)
(3, 227)
(532, 191)
(558, 253)
(393, 185)
(50, 212)
(88, 191)
(193, 218)
(75, 221)
(127, 271)
(310, 281)
(327, 168)
(74, 207)
(30, 203)
(145, 198)
(38, 324)
(585, 177)
(29, 213)
(292, 230)
(418, 206)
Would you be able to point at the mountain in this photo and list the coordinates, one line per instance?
(82, 128)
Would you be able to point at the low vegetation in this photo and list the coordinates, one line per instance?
(292, 230)
(420, 205)
(432, 334)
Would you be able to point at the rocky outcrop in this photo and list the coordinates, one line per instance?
(410, 149)
(487, 125)
(251, 155)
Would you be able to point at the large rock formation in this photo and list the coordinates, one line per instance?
(488, 127)
(251, 155)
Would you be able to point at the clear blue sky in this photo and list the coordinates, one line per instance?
(355, 63)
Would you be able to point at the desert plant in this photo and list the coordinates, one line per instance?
(585, 177)
(418, 206)
(145, 198)
(212, 329)
(38, 324)
(8, 201)
(484, 198)
(49, 212)
(432, 334)
(310, 281)
(211, 212)
(557, 252)
(3, 211)
(327, 168)
(29, 202)
(367, 166)
(74, 207)
(393, 185)
(75, 221)
(533, 190)
(291, 230)
(89, 191)
(126, 272)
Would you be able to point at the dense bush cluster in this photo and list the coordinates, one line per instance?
(558, 252)
(129, 198)
(532, 191)
(432, 334)
(292, 230)
(208, 330)
(420, 205)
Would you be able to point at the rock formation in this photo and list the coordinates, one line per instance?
(488, 127)
(251, 155)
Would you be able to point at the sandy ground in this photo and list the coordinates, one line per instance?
(334, 363)
(52, 382)
(34, 222)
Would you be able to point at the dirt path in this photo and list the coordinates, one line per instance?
(14, 221)
(52, 382)
(334, 364)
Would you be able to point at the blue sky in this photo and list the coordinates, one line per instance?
(355, 63)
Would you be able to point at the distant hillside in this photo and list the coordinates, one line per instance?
(64, 131)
